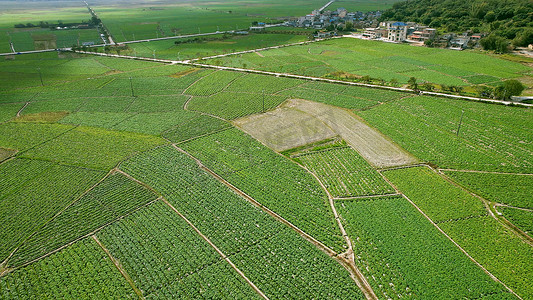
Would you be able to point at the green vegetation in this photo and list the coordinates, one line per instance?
(523, 219)
(188, 48)
(113, 198)
(23, 136)
(165, 257)
(35, 193)
(491, 138)
(445, 203)
(266, 176)
(505, 19)
(93, 147)
(404, 255)
(242, 231)
(194, 127)
(345, 173)
(495, 247)
(351, 59)
(496, 187)
(80, 271)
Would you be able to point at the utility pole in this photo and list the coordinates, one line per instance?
(40, 76)
(460, 122)
(131, 85)
(153, 53)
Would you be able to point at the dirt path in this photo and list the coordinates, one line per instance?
(20, 110)
(254, 287)
(118, 265)
(346, 262)
(348, 256)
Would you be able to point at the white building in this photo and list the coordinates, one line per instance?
(397, 31)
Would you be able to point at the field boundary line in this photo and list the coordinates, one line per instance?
(4, 263)
(81, 237)
(503, 221)
(447, 236)
(461, 248)
(320, 151)
(226, 258)
(119, 267)
(346, 263)
(367, 196)
(310, 78)
(204, 135)
(349, 255)
(20, 110)
(483, 172)
(510, 206)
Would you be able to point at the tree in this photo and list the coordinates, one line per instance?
(429, 42)
(412, 83)
(509, 88)
(428, 86)
(524, 38)
(394, 82)
(484, 91)
(348, 26)
(497, 43)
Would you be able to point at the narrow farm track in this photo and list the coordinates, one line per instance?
(254, 287)
(344, 261)
(119, 267)
(348, 256)
(308, 78)
(2, 273)
(447, 236)
(18, 113)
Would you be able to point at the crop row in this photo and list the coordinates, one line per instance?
(80, 271)
(271, 179)
(491, 244)
(403, 255)
(116, 196)
(345, 173)
(41, 192)
(275, 258)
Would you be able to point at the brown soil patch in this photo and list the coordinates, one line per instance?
(43, 117)
(183, 73)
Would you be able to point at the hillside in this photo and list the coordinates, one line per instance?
(507, 18)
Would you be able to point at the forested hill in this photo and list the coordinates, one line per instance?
(506, 18)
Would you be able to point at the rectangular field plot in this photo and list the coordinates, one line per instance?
(212, 83)
(497, 187)
(345, 173)
(160, 251)
(403, 255)
(82, 270)
(42, 190)
(194, 127)
(111, 199)
(274, 181)
(275, 258)
(498, 249)
(439, 199)
(93, 147)
(501, 251)
(523, 219)
(22, 136)
(491, 138)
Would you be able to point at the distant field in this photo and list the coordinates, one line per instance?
(382, 60)
(51, 12)
(147, 20)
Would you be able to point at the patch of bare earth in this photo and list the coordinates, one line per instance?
(285, 128)
(299, 122)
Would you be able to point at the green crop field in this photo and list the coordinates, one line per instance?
(382, 61)
(130, 178)
(345, 173)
